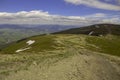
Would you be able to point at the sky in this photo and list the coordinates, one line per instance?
(61, 12)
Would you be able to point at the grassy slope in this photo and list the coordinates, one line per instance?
(59, 55)
(109, 44)
(10, 35)
(42, 43)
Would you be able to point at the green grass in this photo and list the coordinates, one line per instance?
(16, 62)
(47, 50)
(42, 43)
(105, 44)
(109, 45)
(9, 35)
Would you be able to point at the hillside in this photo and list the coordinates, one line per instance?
(96, 30)
(62, 57)
(12, 32)
(8, 35)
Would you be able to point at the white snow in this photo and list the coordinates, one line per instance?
(20, 50)
(30, 42)
(91, 33)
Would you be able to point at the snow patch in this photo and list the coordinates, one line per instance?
(20, 50)
(91, 33)
(30, 42)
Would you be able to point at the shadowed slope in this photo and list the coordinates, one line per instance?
(98, 29)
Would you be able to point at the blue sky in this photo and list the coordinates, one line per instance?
(52, 6)
(102, 9)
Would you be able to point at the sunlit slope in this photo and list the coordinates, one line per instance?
(108, 44)
(41, 43)
(61, 57)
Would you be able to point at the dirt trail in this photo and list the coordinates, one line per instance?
(70, 61)
(82, 66)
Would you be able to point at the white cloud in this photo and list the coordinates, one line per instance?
(41, 17)
(95, 4)
(112, 20)
(118, 2)
(37, 17)
(97, 15)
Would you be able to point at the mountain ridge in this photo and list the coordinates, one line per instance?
(96, 30)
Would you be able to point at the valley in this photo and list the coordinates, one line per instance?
(13, 32)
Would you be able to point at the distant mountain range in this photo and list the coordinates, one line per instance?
(96, 30)
(50, 28)
(12, 32)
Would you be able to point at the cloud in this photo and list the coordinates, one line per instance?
(41, 17)
(115, 1)
(95, 4)
(112, 20)
(37, 17)
(118, 2)
(97, 15)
